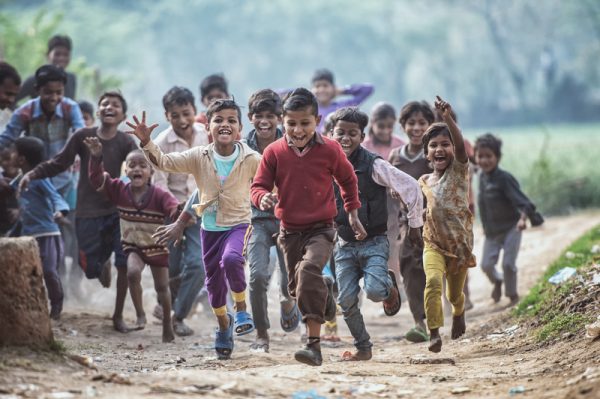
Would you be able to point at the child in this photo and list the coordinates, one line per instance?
(381, 138)
(97, 219)
(186, 269)
(223, 172)
(9, 205)
(368, 258)
(504, 210)
(40, 206)
(10, 81)
(265, 110)
(448, 231)
(302, 166)
(213, 87)
(87, 110)
(59, 55)
(415, 118)
(142, 208)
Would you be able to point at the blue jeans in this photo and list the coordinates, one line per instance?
(261, 269)
(355, 260)
(187, 269)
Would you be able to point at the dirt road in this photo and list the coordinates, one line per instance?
(493, 357)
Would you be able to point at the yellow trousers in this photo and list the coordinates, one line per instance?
(434, 264)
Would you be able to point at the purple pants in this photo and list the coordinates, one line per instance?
(51, 255)
(222, 252)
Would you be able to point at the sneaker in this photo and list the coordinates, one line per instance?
(309, 355)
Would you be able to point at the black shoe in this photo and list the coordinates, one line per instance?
(497, 291)
(309, 355)
(330, 307)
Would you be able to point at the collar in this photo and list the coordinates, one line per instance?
(37, 109)
(252, 138)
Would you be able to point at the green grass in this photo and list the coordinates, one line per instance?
(541, 301)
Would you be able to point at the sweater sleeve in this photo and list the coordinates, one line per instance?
(264, 179)
(358, 94)
(61, 161)
(174, 162)
(346, 179)
(169, 203)
(101, 180)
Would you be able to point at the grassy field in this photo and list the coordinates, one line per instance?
(558, 166)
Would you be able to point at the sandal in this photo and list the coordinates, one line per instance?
(416, 335)
(310, 354)
(243, 323)
(224, 341)
(392, 309)
(290, 320)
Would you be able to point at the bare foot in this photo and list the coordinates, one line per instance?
(120, 326)
(458, 326)
(168, 335)
(140, 323)
(359, 355)
(435, 341)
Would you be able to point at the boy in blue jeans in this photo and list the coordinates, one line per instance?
(368, 258)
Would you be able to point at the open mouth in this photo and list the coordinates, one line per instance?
(439, 159)
(225, 132)
(136, 176)
(264, 130)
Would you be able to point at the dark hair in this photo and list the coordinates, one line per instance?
(414, 107)
(86, 107)
(434, 130)
(59, 41)
(490, 142)
(380, 111)
(49, 73)
(211, 82)
(178, 95)
(323, 74)
(116, 94)
(136, 151)
(300, 98)
(328, 125)
(219, 105)
(265, 100)
(7, 71)
(32, 148)
(352, 115)
(440, 118)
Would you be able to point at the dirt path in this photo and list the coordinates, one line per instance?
(493, 357)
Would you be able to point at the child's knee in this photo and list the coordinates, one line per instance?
(232, 260)
(134, 276)
(377, 291)
(347, 301)
(161, 287)
(433, 283)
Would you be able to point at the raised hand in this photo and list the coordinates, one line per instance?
(443, 106)
(140, 129)
(94, 145)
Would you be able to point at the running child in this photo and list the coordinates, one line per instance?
(504, 210)
(302, 166)
(143, 207)
(367, 259)
(223, 171)
(448, 229)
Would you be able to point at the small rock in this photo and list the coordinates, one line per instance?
(436, 360)
(460, 390)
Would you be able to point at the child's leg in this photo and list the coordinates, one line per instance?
(113, 228)
(413, 277)
(51, 255)
(489, 259)
(434, 266)
(454, 291)
(215, 276)
(135, 267)
(161, 285)
(512, 243)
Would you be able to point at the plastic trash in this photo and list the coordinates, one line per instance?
(562, 275)
(516, 390)
(312, 394)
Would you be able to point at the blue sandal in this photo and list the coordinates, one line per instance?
(243, 323)
(290, 320)
(224, 341)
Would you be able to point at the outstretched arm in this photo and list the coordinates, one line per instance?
(457, 138)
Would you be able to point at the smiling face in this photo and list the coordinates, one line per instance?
(300, 125)
(349, 135)
(324, 90)
(138, 169)
(181, 118)
(60, 56)
(486, 159)
(50, 95)
(265, 124)
(8, 93)
(440, 152)
(415, 126)
(224, 127)
(8, 162)
(110, 111)
(383, 129)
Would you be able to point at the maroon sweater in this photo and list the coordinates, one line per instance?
(305, 183)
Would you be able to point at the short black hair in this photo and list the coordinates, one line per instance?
(117, 94)
(352, 115)
(328, 125)
(265, 100)
(8, 71)
(32, 148)
(59, 41)
(86, 107)
(49, 73)
(382, 110)
(434, 130)
(414, 107)
(219, 105)
(491, 142)
(178, 95)
(323, 74)
(300, 98)
(211, 82)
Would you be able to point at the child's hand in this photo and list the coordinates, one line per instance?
(23, 183)
(60, 218)
(268, 201)
(94, 145)
(173, 232)
(359, 231)
(140, 130)
(443, 106)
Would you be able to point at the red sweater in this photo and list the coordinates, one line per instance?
(305, 184)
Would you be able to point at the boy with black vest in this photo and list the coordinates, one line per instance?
(368, 258)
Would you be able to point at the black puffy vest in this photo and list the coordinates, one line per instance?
(373, 198)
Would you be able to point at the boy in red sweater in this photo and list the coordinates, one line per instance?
(302, 167)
